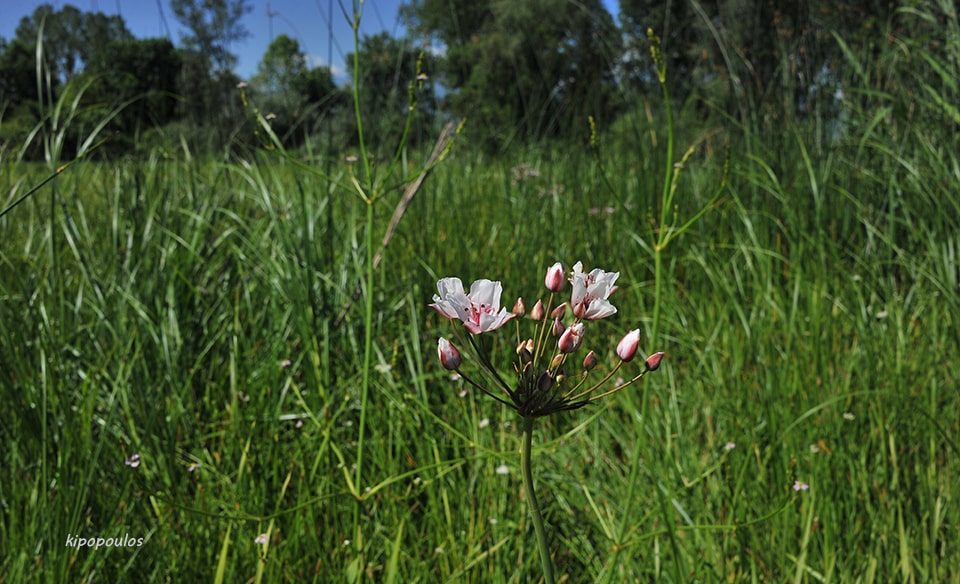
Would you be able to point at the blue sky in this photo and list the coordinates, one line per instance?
(307, 21)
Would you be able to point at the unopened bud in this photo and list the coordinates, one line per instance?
(590, 361)
(557, 361)
(571, 338)
(449, 355)
(627, 347)
(538, 311)
(653, 361)
(544, 382)
(518, 308)
(525, 355)
(558, 327)
(554, 279)
(559, 311)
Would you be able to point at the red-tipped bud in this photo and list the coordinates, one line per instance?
(571, 338)
(627, 347)
(518, 308)
(559, 311)
(653, 361)
(590, 361)
(538, 311)
(449, 355)
(558, 327)
(555, 278)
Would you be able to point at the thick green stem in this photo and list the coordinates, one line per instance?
(527, 472)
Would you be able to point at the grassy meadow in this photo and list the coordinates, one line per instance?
(175, 366)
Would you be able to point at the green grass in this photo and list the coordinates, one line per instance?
(810, 318)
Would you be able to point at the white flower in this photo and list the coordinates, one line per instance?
(480, 310)
(590, 293)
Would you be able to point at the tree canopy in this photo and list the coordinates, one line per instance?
(518, 71)
(526, 69)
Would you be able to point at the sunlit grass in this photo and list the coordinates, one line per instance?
(187, 311)
(185, 289)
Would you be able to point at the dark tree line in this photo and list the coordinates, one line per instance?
(520, 71)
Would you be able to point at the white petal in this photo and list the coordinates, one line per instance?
(486, 292)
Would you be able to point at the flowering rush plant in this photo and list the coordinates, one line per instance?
(545, 382)
(547, 378)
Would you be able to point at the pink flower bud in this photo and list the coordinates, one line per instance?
(538, 311)
(571, 338)
(518, 308)
(558, 327)
(627, 347)
(555, 279)
(559, 311)
(449, 355)
(653, 361)
(590, 361)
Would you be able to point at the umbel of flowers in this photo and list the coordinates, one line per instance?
(547, 377)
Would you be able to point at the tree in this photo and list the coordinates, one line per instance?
(70, 42)
(388, 71)
(206, 80)
(70, 37)
(18, 74)
(214, 26)
(524, 70)
(757, 55)
(286, 86)
(142, 73)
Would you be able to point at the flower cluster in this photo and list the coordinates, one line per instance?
(543, 385)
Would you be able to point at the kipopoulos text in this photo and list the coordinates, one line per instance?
(98, 542)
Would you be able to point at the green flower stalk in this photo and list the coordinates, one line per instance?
(543, 381)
